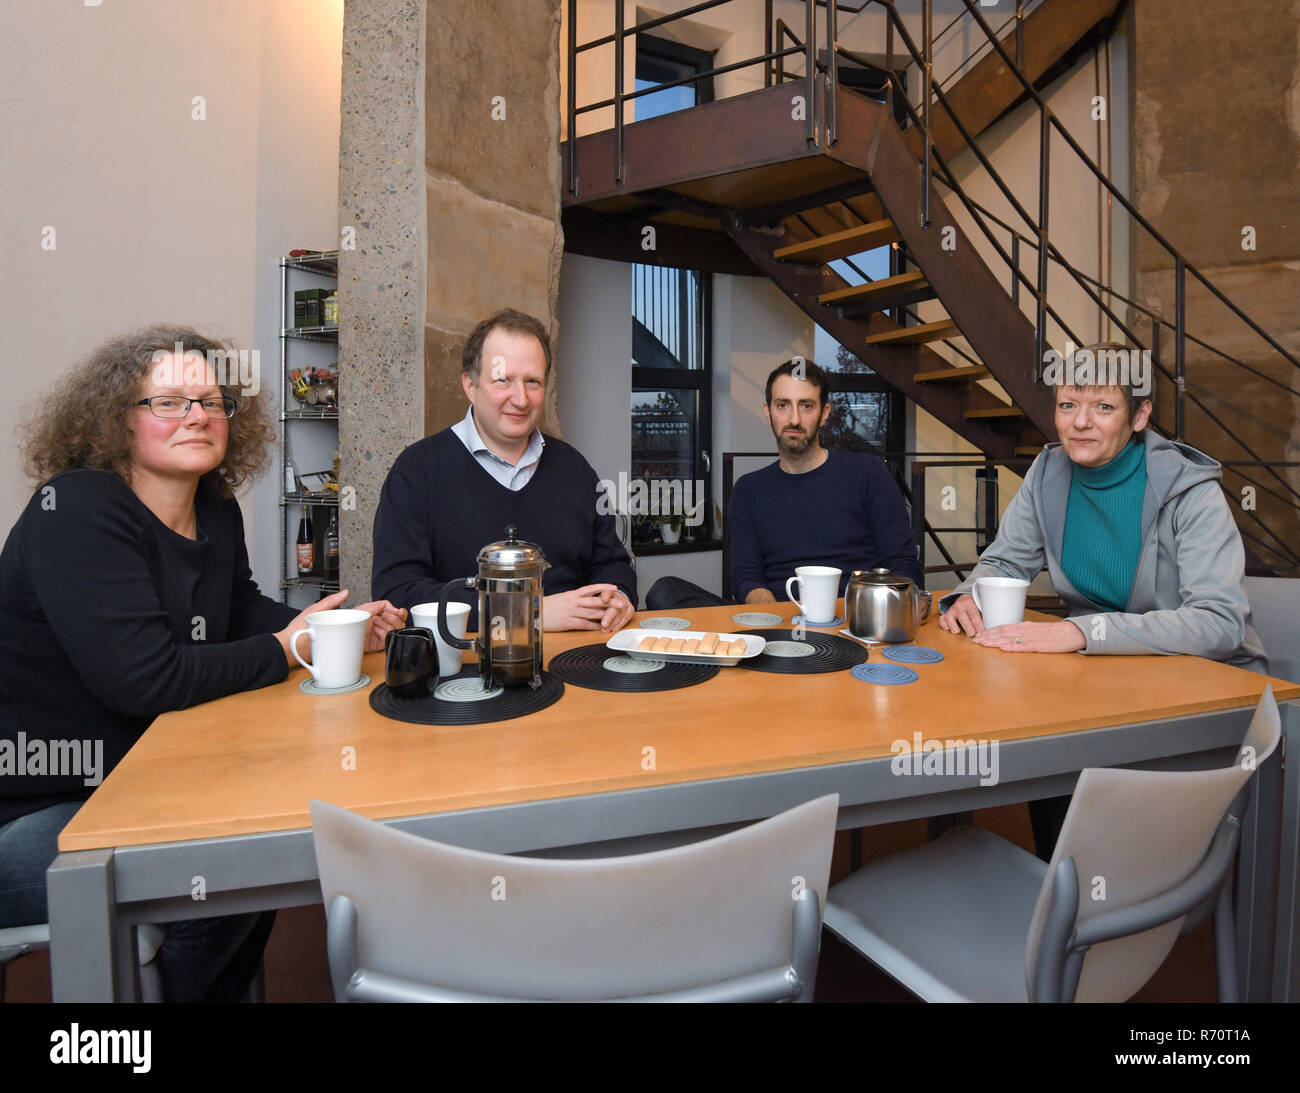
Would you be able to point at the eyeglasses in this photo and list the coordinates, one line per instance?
(174, 406)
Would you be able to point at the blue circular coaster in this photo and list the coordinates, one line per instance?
(912, 654)
(799, 620)
(876, 672)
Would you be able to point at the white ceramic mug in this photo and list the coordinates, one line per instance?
(1003, 600)
(338, 638)
(426, 614)
(819, 585)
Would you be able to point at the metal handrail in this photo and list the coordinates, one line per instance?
(1183, 267)
(620, 97)
(1047, 121)
(1110, 187)
(1156, 319)
(1018, 18)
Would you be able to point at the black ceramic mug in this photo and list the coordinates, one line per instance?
(410, 661)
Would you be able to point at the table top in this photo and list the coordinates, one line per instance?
(251, 762)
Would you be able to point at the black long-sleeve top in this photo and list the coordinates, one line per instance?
(439, 508)
(109, 618)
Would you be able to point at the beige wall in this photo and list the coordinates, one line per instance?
(159, 216)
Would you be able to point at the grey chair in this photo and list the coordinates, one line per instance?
(1275, 612)
(16, 941)
(972, 917)
(733, 918)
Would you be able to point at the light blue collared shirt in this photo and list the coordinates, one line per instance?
(514, 476)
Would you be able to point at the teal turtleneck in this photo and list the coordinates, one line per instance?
(1103, 527)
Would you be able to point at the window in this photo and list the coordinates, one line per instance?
(672, 374)
(867, 414)
(672, 414)
(659, 60)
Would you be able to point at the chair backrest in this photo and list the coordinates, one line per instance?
(501, 925)
(1275, 614)
(1134, 834)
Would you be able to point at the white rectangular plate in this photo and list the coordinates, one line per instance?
(626, 642)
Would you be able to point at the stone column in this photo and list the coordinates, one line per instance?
(1217, 148)
(449, 175)
(381, 262)
(492, 130)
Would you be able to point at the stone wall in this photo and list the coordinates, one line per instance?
(492, 130)
(1216, 150)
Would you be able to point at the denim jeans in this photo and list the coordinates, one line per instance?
(201, 960)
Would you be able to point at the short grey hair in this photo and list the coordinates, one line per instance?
(1106, 364)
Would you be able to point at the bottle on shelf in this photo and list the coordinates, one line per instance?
(332, 547)
(306, 545)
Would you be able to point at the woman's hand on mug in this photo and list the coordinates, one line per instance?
(329, 603)
(963, 615)
(383, 618)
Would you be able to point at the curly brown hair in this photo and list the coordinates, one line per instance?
(82, 423)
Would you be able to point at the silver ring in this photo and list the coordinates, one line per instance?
(1017, 639)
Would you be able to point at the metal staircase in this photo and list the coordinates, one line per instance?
(749, 185)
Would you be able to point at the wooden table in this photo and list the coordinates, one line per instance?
(221, 791)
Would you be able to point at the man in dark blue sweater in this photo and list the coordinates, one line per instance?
(814, 506)
(451, 494)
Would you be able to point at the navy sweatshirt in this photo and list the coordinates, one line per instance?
(439, 508)
(848, 513)
(109, 618)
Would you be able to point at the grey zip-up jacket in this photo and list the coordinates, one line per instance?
(1187, 594)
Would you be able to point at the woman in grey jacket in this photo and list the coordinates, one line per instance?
(1135, 532)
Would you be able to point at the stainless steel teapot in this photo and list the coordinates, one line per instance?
(884, 607)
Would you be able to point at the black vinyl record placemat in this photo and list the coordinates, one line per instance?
(432, 710)
(830, 653)
(586, 667)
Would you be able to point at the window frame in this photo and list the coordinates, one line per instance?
(661, 60)
(700, 380)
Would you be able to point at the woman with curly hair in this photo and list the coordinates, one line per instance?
(125, 592)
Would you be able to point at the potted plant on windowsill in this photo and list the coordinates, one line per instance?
(671, 524)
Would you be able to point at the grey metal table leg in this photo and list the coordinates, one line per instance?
(91, 952)
(1286, 960)
(937, 825)
(1256, 884)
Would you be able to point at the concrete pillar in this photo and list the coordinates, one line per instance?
(449, 174)
(381, 268)
(492, 131)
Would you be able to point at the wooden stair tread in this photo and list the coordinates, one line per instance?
(916, 335)
(994, 413)
(841, 244)
(952, 375)
(1028, 449)
(885, 287)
